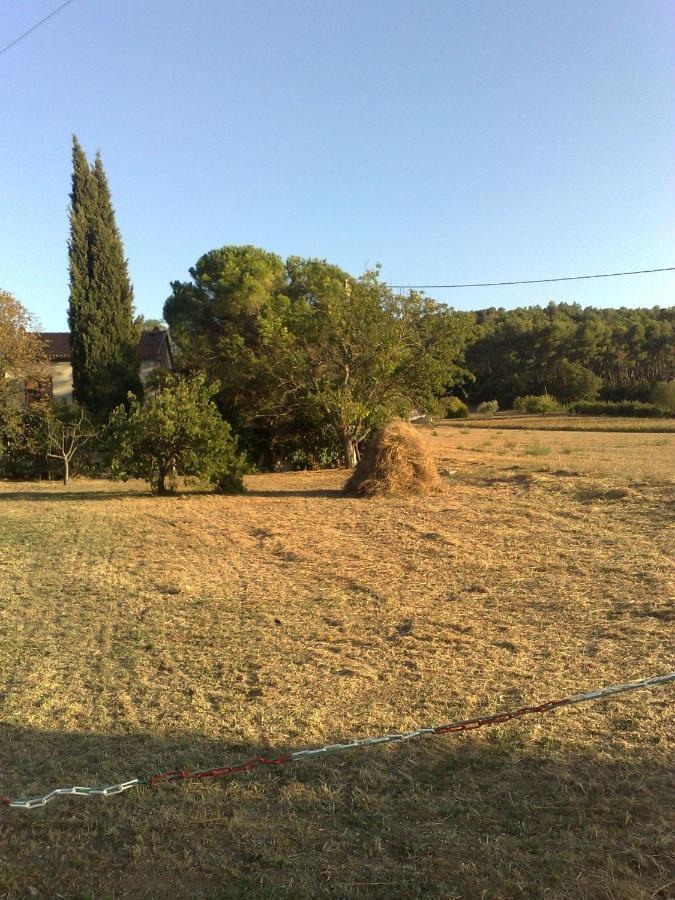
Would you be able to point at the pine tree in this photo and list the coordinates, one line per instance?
(104, 340)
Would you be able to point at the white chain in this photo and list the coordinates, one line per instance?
(406, 736)
(35, 802)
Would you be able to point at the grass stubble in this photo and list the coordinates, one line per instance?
(140, 634)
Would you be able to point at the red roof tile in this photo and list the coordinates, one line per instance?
(150, 345)
(57, 344)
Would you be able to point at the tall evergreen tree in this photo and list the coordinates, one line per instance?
(104, 340)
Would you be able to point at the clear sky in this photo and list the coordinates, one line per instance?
(449, 141)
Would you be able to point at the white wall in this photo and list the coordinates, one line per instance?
(62, 381)
(62, 375)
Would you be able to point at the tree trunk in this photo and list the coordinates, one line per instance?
(66, 470)
(161, 486)
(348, 449)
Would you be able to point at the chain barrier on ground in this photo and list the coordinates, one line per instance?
(262, 762)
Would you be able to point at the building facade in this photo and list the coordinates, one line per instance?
(154, 350)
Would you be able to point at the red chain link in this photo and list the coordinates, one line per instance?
(218, 771)
(497, 718)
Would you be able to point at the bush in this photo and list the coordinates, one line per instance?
(631, 408)
(176, 431)
(537, 403)
(454, 408)
(537, 449)
(663, 395)
(43, 439)
(23, 441)
(488, 407)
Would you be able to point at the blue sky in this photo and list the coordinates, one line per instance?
(449, 141)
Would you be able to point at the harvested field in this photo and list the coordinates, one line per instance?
(532, 422)
(142, 633)
(625, 459)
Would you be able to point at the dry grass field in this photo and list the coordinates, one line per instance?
(566, 422)
(139, 634)
(625, 459)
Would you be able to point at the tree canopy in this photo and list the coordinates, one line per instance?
(309, 359)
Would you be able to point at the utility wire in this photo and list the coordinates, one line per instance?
(33, 27)
(532, 280)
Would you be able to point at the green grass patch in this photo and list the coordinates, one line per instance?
(537, 450)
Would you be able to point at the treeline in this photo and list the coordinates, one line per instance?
(570, 352)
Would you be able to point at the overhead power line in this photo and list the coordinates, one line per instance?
(34, 27)
(479, 284)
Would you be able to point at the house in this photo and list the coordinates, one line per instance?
(154, 350)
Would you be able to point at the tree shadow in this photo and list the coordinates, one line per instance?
(41, 495)
(283, 492)
(520, 479)
(37, 496)
(459, 816)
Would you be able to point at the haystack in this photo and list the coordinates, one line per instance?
(396, 461)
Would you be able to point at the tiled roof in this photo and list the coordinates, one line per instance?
(57, 344)
(150, 345)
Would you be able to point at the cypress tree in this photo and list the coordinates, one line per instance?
(103, 338)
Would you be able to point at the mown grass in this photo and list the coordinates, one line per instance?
(566, 422)
(639, 457)
(140, 634)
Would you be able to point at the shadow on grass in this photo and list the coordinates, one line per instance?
(595, 493)
(526, 478)
(445, 817)
(282, 492)
(41, 495)
(38, 496)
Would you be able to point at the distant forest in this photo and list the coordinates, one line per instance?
(570, 352)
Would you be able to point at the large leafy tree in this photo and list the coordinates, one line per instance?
(363, 353)
(308, 356)
(22, 360)
(104, 340)
(225, 322)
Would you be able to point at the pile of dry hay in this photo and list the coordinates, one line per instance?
(396, 461)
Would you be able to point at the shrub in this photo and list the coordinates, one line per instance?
(41, 439)
(632, 390)
(433, 409)
(455, 408)
(663, 395)
(537, 403)
(631, 408)
(176, 431)
(488, 407)
(23, 441)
